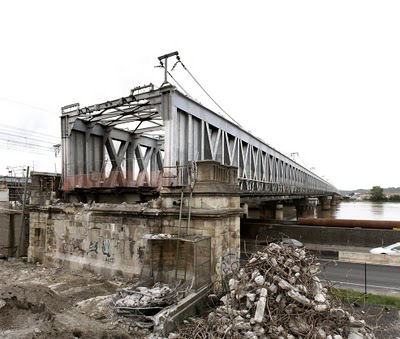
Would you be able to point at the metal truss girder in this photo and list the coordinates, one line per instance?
(191, 132)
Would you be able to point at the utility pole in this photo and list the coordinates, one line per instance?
(165, 64)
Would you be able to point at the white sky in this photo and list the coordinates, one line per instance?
(320, 78)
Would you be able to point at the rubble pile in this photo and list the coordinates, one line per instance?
(146, 300)
(277, 294)
(158, 236)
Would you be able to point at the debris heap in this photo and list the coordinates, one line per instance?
(146, 300)
(277, 294)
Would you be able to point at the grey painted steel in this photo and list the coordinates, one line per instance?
(189, 132)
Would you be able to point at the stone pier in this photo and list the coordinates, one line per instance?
(271, 210)
(306, 207)
(325, 203)
(113, 239)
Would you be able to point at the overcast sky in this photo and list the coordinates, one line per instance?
(320, 78)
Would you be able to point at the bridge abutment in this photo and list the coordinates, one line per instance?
(129, 239)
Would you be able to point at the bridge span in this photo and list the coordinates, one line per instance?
(205, 171)
(146, 140)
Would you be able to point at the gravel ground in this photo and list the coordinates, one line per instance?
(384, 320)
(40, 302)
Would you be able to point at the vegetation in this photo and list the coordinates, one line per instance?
(377, 194)
(371, 299)
(394, 197)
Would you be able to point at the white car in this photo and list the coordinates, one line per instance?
(393, 249)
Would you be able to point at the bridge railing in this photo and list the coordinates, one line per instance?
(265, 187)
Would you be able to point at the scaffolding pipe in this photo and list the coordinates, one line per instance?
(22, 229)
(179, 234)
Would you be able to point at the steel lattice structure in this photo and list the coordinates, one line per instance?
(160, 129)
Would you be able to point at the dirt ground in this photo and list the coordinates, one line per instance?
(40, 302)
(384, 321)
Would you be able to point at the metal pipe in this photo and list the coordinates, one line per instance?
(22, 229)
(179, 234)
(350, 223)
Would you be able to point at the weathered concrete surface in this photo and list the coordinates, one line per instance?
(254, 229)
(109, 238)
(105, 239)
(4, 198)
(10, 225)
(44, 186)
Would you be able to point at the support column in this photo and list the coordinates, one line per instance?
(306, 207)
(268, 210)
(334, 201)
(215, 212)
(271, 210)
(325, 203)
(279, 212)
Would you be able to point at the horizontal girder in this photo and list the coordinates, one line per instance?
(190, 132)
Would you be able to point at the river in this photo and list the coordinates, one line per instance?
(364, 210)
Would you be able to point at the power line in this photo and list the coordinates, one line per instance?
(204, 90)
(22, 149)
(25, 104)
(32, 132)
(179, 84)
(24, 137)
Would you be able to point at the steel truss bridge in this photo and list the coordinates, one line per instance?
(142, 140)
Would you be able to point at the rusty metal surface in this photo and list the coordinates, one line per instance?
(352, 223)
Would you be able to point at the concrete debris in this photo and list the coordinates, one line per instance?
(277, 294)
(158, 295)
(157, 236)
(142, 304)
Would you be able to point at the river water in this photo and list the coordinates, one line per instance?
(366, 210)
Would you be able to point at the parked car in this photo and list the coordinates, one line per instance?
(393, 249)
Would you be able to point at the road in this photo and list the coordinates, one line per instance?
(380, 279)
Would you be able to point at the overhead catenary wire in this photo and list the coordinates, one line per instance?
(204, 90)
(9, 128)
(25, 144)
(172, 77)
(179, 85)
(26, 137)
(25, 150)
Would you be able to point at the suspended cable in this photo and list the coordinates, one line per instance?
(179, 85)
(25, 144)
(8, 127)
(25, 104)
(27, 138)
(24, 150)
(204, 90)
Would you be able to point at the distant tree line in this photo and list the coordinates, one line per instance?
(378, 195)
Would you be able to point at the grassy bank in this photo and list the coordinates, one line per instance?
(372, 299)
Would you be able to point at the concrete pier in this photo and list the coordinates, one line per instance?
(306, 207)
(325, 203)
(115, 239)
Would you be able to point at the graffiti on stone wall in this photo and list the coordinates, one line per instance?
(226, 264)
(106, 247)
(72, 246)
(93, 246)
